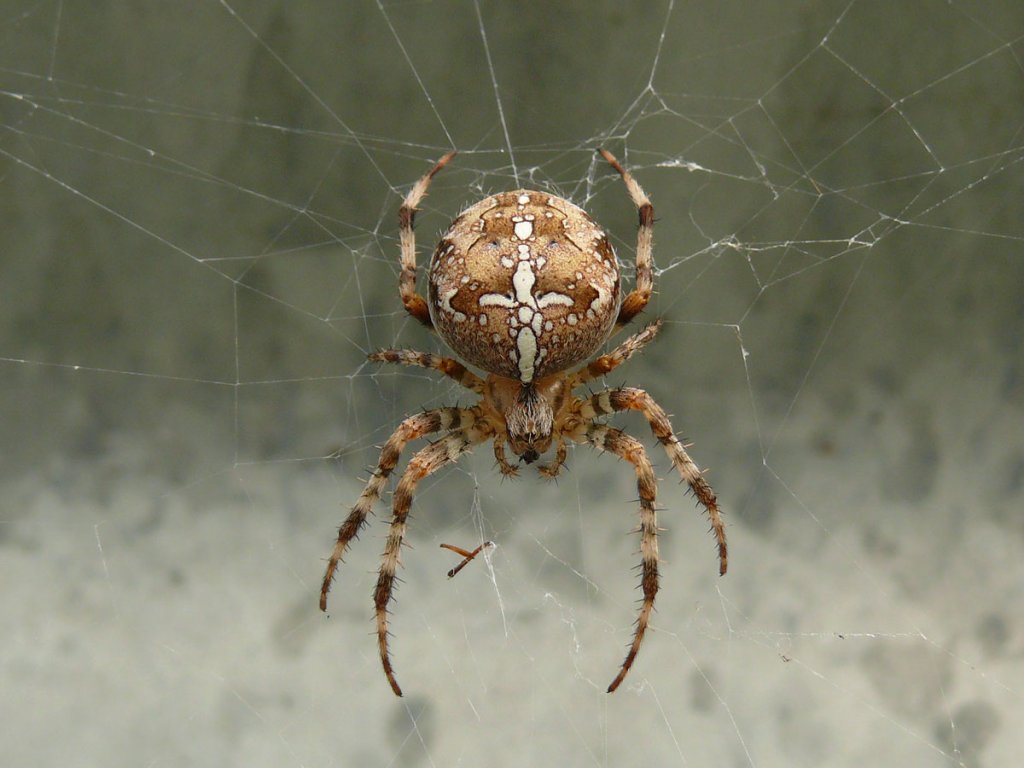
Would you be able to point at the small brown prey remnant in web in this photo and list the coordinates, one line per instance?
(525, 286)
(467, 556)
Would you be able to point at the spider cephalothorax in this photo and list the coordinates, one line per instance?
(525, 285)
(528, 411)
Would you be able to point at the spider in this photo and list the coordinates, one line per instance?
(525, 286)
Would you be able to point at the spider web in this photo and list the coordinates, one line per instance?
(200, 247)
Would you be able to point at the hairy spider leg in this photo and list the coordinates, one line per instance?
(605, 364)
(423, 464)
(412, 428)
(450, 367)
(632, 450)
(631, 399)
(414, 304)
(637, 299)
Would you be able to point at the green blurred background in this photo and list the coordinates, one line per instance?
(199, 247)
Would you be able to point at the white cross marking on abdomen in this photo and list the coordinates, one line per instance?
(526, 308)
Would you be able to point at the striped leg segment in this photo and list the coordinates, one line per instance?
(637, 299)
(414, 304)
(426, 461)
(604, 364)
(412, 428)
(451, 368)
(631, 399)
(632, 450)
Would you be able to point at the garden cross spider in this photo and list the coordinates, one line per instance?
(525, 286)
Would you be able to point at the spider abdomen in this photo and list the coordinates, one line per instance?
(524, 284)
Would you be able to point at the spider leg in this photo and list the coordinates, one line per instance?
(450, 367)
(632, 450)
(507, 468)
(551, 470)
(414, 304)
(637, 299)
(425, 462)
(630, 399)
(412, 428)
(601, 366)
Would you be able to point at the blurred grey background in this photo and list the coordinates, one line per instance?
(199, 247)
